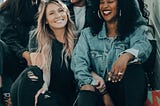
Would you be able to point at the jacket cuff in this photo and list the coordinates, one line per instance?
(89, 81)
(134, 52)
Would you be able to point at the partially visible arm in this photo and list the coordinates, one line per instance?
(140, 46)
(26, 56)
(16, 37)
(107, 100)
(100, 83)
(102, 89)
(36, 59)
(80, 62)
(139, 51)
(119, 67)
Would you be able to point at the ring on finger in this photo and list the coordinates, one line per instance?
(120, 73)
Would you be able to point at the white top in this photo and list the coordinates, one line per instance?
(79, 17)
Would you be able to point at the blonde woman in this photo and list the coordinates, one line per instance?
(50, 80)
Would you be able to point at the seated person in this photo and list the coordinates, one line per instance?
(50, 81)
(82, 12)
(16, 20)
(107, 58)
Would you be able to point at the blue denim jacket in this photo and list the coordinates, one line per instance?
(98, 53)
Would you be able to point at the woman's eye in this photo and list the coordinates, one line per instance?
(101, 2)
(60, 10)
(110, 1)
(51, 13)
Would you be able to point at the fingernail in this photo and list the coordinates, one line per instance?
(109, 79)
(43, 92)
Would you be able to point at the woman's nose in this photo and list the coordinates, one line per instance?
(105, 4)
(57, 14)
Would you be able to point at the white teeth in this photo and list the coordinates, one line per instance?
(106, 12)
(61, 20)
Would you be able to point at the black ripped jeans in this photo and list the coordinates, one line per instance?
(26, 86)
(130, 91)
(23, 90)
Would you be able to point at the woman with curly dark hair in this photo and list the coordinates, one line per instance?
(107, 60)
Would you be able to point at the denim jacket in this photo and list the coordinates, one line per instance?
(98, 53)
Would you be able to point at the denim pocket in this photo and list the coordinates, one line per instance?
(98, 60)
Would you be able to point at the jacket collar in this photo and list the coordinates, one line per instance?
(102, 33)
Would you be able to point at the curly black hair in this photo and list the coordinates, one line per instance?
(128, 21)
(143, 8)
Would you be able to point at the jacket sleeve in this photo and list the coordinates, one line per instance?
(16, 39)
(80, 62)
(140, 46)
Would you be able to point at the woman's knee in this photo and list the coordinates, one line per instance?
(134, 71)
(136, 67)
(88, 88)
(30, 80)
(30, 74)
(34, 73)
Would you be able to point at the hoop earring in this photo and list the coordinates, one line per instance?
(120, 13)
(98, 12)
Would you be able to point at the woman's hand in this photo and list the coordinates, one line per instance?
(101, 86)
(26, 56)
(41, 91)
(100, 83)
(119, 67)
(107, 100)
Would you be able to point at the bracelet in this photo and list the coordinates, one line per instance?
(104, 92)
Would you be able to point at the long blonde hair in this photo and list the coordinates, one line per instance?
(44, 36)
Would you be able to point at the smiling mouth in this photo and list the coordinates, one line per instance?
(58, 21)
(106, 12)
